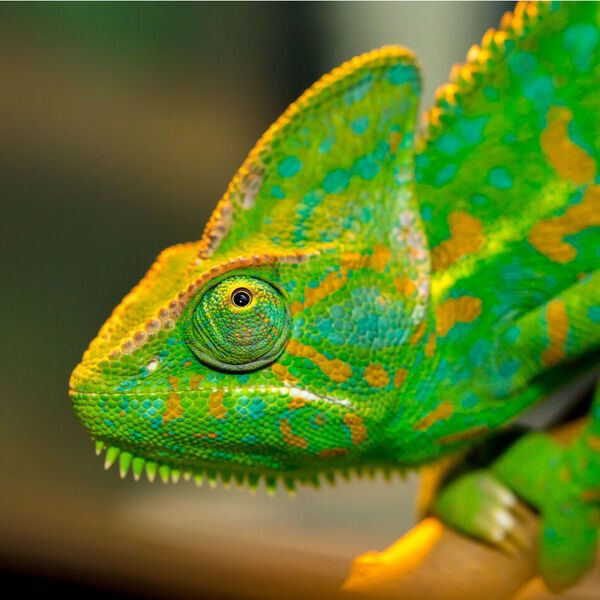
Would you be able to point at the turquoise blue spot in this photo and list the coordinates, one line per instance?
(381, 149)
(472, 129)
(108, 423)
(325, 145)
(509, 368)
(446, 174)
(277, 192)
(426, 213)
(289, 166)
(509, 138)
(337, 338)
(399, 74)
(580, 40)
(469, 400)
(158, 404)
(550, 533)
(359, 125)
(539, 90)
(500, 178)
(358, 91)
(479, 199)
(336, 181)
(576, 137)
(448, 144)
(512, 334)
(522, 63)
(366, 167)
(491, 93)
(594, 314)
(337, 311)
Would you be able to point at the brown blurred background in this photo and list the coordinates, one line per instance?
(120, 127)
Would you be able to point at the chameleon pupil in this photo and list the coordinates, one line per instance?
(241, 298)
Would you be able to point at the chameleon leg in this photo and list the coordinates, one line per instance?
(563, 483)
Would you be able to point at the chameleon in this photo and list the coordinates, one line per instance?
(374, 294)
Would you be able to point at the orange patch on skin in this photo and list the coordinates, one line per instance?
(547, 236)
(440, 413)
(332, 282)
(195, 382)
(215, 405)
(351, 261)
(296, 402)
(358, 431)
(430, 345)
(282, 373)
(565, 475)
(404, 286)
(418, 333)
(593, 441)
(173, 408)
(570, 161)
(328, 452)
(558, 329)
(286, 433)
(335, 369)
(452, 311)
(466, 237)
(395, 139)
(380, 257)
(400, 377)
(319, 419)
(463, 435)
(376, 376)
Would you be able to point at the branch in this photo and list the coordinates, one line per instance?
(434, 562)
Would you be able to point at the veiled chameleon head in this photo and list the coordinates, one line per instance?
(274, 344)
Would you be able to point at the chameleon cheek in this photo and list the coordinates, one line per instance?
(239, 323)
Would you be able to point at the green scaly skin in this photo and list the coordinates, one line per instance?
(402, 296)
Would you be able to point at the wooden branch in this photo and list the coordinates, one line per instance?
(435, 562)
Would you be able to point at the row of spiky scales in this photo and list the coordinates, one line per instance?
(166, 473)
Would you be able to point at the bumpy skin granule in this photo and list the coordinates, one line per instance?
(362, 298)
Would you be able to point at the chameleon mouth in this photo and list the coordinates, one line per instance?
(241, 477)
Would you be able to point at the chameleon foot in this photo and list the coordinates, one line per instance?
(479, 505)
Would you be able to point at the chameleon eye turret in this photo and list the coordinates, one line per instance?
(239, 323)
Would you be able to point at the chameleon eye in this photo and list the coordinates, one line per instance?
(239, 324)
(241, 297)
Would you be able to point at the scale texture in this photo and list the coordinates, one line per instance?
(367, 295)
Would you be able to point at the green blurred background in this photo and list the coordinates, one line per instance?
(120, 127)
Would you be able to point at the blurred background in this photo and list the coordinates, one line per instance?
(120, 127)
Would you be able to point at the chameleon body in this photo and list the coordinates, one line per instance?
(365, 297)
